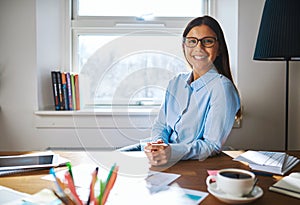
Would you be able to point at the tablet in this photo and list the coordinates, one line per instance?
(28, 161)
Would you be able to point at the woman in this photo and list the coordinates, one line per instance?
(200, 107)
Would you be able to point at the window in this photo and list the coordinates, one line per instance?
(127, 51)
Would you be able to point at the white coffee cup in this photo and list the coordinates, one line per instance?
(232, 181)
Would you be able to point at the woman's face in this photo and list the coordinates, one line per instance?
(201, 58)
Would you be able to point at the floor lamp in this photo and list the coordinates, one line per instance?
(279, 39)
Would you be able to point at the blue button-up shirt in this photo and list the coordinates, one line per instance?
(196, 118)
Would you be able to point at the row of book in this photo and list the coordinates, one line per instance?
(65, 87)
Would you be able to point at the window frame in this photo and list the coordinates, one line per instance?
(84, 25)
(81, 25)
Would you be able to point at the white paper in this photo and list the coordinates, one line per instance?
(83, 174)
(289, 185)
(146, 185)
(11, 197)
(275, 159)
(135, 194)
(43, 197)
(273, 162)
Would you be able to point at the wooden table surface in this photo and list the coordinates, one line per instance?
(193, 175)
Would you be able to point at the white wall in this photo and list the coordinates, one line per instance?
(18, 74)
(32, 44)
(50, 44)
(261, 87)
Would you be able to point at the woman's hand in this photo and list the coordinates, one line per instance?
(158, 153)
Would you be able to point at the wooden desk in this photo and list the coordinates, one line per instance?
(193, 174)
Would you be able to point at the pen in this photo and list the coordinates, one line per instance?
(157, 145)
(110, 184)
(72, 187)
(65, 199)
(110, 173)
(92, 185)
(70, 169)
(62, 188)
(102, 188)
(60, 185)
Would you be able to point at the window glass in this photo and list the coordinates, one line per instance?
(129, 70)
(141, 8)
(127, 51)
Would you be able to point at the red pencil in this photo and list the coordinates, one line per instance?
(92, 199)
(110, 185)
(72, 188)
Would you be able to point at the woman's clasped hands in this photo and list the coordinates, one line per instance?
(158, 152)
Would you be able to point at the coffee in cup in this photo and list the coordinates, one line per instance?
(232, 181)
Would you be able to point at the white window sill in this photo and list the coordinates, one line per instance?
(121, 117)
(141, 117)
(101, 112)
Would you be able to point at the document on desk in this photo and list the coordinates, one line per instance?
(161, 178)
(136, 194)
(273, 162)
(11, 197)
(82, 176)
(142, 189)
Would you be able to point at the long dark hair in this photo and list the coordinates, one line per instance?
(222, 60)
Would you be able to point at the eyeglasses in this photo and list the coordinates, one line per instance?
(206, 42)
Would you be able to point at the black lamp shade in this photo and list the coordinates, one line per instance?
(279, 32)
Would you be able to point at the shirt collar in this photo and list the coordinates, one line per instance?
(203, 80)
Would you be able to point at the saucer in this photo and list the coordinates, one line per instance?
(257, 192)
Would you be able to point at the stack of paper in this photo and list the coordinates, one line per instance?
(273, 162)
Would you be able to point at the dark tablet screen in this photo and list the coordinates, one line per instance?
(25, 160)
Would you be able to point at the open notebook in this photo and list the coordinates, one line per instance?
(273, 162)
(289, 185)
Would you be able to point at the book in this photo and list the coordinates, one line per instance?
(273, 162)
(55, 90)
(77, 96)
(64, 90)
(69, 89)
(288, 185)
(60, 92)
(73, 92)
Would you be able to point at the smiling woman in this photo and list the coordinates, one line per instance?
(199, 106)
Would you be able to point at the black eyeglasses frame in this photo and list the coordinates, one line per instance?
(200, 40)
